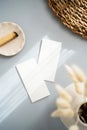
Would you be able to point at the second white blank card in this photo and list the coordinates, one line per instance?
(49, 57)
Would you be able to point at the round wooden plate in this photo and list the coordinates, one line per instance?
(13, 47)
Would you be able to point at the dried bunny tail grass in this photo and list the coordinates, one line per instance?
(71, 73)
(79, 73)
(63, 113)
(63, 93)
(78, 88)
(85, 92)
(77, 76)
(62, 103)
(74, 127)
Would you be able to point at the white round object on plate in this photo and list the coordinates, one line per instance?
(16, 45)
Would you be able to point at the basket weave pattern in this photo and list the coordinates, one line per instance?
(72, 13)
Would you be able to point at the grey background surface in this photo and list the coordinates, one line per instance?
(37, 21)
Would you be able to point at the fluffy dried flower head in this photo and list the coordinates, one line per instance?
(63, 113)
(74, 127)
(63, 93)
(62, 103)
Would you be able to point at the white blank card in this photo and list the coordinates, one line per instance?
(32, 79)
(49, 57)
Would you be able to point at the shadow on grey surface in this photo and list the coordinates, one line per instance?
(46, 122)
(33, 116)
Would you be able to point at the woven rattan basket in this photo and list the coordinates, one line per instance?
(72, 13)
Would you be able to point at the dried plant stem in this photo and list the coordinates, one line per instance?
(63, 93)
(71, 73)
(78, 88)
(79, 73)
(62, 103)
(82, 78)
(63, 113)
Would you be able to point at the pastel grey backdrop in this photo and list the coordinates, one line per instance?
(37, 20)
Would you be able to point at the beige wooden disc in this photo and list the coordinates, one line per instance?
(16, 45)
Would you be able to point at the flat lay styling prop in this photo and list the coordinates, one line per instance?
(8, 38)
(12, 38)
(49, 58)
(72, 13)
(72, 101)
(34, 74)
